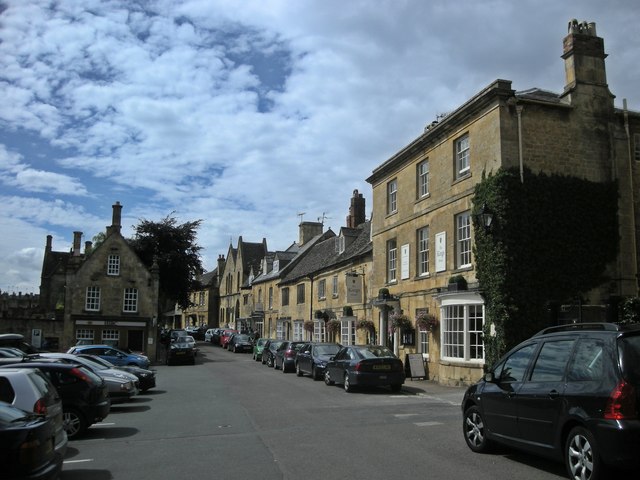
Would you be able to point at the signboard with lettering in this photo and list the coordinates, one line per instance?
(354, 289)
(415, 362)
(404, 262)
(441, 251)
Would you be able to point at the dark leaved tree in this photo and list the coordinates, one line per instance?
(175, 250)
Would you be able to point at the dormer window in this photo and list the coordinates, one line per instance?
(340, 244)
(276, 265)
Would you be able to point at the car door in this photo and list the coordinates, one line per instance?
(336, 366)
(499, 396)
(540, 398)
(303, 359)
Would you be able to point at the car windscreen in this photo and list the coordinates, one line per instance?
(376, 352)
(327, 349)
(629, 348)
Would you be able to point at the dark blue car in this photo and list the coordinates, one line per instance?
(112, 354)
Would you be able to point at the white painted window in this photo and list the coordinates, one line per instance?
(392, 260)
(347, 332)
(113, 265)
(130, 300)
(392, 196)
(462, 156)
(92, 302)
(423, 251)
(463, 240)
(423, 179)
(462, 332)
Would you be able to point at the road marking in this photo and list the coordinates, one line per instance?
(400, 415)
(78, 461)
(427, 424)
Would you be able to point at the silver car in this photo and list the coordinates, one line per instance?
(122, 385)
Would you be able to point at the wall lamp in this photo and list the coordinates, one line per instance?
(485, 217)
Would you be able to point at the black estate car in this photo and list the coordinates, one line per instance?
(570, 392)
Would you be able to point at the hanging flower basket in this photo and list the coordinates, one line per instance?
(366, 325)
(427, 322)
(333, 326)
(308, 326)
(398, 321)
(318, 314)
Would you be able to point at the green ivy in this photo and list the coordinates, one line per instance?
(551, 239)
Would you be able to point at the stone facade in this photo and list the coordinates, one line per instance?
(106, 294)
(578, 132)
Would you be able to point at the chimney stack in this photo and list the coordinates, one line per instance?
(77, 237)
(356, 210)
(583, 54)
(117, 218)
(88, 245)
(308, 230)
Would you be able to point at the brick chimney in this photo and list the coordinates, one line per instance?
(356, 210)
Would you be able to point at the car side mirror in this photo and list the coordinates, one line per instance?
(489, 377)
(332, 357)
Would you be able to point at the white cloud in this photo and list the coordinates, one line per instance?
(246, 116)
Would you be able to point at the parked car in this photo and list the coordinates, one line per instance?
(208, 335)
(84, 395)
(257, 348)
(122, 386)
(240, 342)
(11, 352)
(191, 341)
(225, 336)
(285, 356)
(312, 358)
(146, 378)
(269, 352)
(32, 391)
(365, 366)
(112, 354)
(17, 341)
(570, 392)
(180, 351)
(25, 445)
(215, 336)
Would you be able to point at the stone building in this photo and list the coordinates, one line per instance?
(422, 230)
(205, 301)
(104, 294)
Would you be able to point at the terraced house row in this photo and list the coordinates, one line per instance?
(408, 276)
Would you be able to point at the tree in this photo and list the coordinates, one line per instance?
(174, 249)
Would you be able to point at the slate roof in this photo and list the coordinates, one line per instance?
(539, 95)
(324, 254)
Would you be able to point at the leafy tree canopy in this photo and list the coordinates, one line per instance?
(175, 250)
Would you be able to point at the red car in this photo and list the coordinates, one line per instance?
(225, 337)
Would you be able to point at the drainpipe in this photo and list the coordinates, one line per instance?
(634, 258)
(519, 109)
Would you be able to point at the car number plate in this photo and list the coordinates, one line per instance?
(180, 353)
(382, 377)
(382, 367)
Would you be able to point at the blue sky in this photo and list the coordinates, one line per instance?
(246, 113)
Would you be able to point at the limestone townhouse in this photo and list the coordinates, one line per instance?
(422, 226)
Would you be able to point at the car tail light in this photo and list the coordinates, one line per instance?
(78, 373)
(621, 404)
(289, 354)
(40, 407)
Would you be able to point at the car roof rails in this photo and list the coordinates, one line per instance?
(572, 327)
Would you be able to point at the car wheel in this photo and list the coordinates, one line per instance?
(474, 430)
(298, 371)
(73, 422)
(284, 369)
(347, 385)
(269, 361)
(327, 378)
(581, 455)
(314, 373)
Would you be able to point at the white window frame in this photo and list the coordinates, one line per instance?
(298, 331)
(92, 299)
(423, 179)
(130, 300)
(280, 329)
(423, 251)
(392, 261)
(334, 286)
(111, 335)
(322, 289)
(392, 196)
(347, 332)
(463, 239)
(85, 334)
(462, 320)
(319, 331)
(463, 165)
(423, 340)
(270, 298)
(113, 265)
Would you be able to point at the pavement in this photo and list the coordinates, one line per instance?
(430, 388)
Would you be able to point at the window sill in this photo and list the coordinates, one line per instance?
(454, 362)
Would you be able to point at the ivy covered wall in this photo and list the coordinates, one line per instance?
(551, 239)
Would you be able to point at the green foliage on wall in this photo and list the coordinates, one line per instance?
(551, 239)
